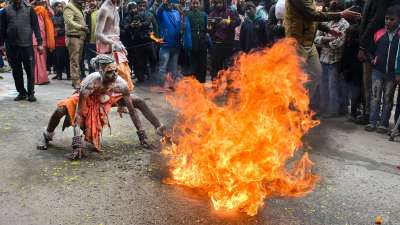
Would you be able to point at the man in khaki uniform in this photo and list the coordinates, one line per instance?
(75, 29)
(301, 23)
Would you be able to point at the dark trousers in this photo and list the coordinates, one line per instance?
(82, 63)
(16, 57)
(354, 90)
(90, 53)
(62, 61)
(198, 62)
(139, 57)
(50, 55)
(220, 56)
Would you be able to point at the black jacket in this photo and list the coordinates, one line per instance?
(253, 34)
(59, 25)
(373, 18)
(352, 69)
(385, 51)
(137, 35)
(17, 25)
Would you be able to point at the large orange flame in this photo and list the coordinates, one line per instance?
(237, 151)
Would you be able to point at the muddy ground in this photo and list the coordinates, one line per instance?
(359, 178)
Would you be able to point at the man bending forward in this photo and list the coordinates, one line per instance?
(88, 109)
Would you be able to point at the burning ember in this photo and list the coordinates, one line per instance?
(156, 39)
(237, 153)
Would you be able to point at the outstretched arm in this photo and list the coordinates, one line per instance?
(77, 142)
(101, 21)
(308, 11)
(135, 119)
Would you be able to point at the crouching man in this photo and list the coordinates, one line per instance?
(87, 110)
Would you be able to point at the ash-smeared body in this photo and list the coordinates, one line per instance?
(87, 110)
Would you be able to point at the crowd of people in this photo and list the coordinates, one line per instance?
(349, 47)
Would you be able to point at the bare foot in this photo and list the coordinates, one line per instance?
(43, 142)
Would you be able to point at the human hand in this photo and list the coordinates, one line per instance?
(117, 47)
(335, 33)
(77, 148)
(349, 15)
(85, 28)
(136, 24)
(362, 56)
(326, 40)
(40, 49)
(398, 78)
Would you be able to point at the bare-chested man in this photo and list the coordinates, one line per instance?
(88, 109)
(108, 38)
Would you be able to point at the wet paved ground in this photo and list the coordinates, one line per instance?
(123, 185)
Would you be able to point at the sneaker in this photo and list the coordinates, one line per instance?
(370, 127)
(20, 97)
(31, 98)
(382, 130)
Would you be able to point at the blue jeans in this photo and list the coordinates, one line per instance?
(330, 89)
(168, 63)
(382, 86)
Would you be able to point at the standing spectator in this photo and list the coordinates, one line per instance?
(3, 67)
(240, 11)
(90, 43)
(301, 23)
(151, 56)
(169, 20)
(18, 21)
(253, 33)
(137, 27)
(196, 40)
(61, 52)
(373, 18)
(122, 13)
(352, 69)
(47, 33)
(222, 22)
(386, 41)
(76, 29)
(142, 8)
(108, 40)
(331, 57)
(275, 21)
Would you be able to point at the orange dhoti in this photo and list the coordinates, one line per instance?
(94, 115)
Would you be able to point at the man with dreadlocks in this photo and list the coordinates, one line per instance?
(108, 38)
(87, 109)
